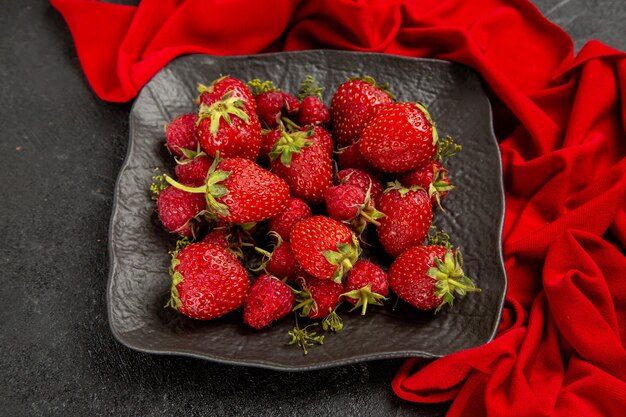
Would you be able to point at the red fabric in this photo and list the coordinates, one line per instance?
(560, 349)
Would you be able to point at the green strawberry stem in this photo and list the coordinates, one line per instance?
(289, 144)
(222, 109)
(450, 278)
(213, 190)
(344, 258)
(290, 123)
(332, 322)
(365, 296)
(303, 338)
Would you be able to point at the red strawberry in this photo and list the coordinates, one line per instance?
(366, 284)
(313, 112)
(268, 139)
(323, 138)
(181, 133)
(227, 127)
(351, 205)
(324, 247)
(428, 277)
(239, 191)
(219, 236)
(312, 108)
(207, 282)
(193, 171)
(399, 137)
(350, 157)
(408, 218)
(272, 105)
(352, 106)
(229, 237)
(223, 85)
(304, 163)
(280, 262)
(363, 180)
(177, 210)
(284, 221)
(431, 176)
(269, 300)
(319, 297)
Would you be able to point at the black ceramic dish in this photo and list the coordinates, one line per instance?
(139, 282)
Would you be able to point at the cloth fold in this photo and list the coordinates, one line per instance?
(559, 119)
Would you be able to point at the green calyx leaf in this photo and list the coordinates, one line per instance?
(396, 185)
(447, 147)
(305, 302)
(177, 278)
(214, 190)
(344, 258)
(332, 322)
(222, 109)
(451, 280)
(310, 87)
(304, 338)
(289, 144)
(440, 184)
(267, 256)
(257, 86)
(189, 155)
(365, 296)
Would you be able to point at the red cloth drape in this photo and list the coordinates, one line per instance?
(560, 349)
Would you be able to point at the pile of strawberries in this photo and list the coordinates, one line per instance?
(260, 171)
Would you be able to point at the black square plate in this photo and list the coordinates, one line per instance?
(139, 282)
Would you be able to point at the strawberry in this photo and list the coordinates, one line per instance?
(207, 282)
(227, 127)
(181, 133)
(273, 105)
(324, 247)
(223, 85)
(408, 218)
(323, 138)
(280, 262)
(268, 139)
(229, 237)
(312, 109)
(318, 299)
(239, 191)
(431, 176)
(177, 210)
(301, 160)
(193, 171)
(399, 137)
(313, 112)
(269, 300)
(351, 205)
(366, 284)
(350, 157)
(428, 277)
(284, 221)
(353, 104)
(363, 180)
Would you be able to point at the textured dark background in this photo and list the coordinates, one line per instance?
(60, 152)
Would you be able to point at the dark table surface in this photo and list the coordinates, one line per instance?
(60, 154)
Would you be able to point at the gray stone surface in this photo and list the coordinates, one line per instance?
(60, 151)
